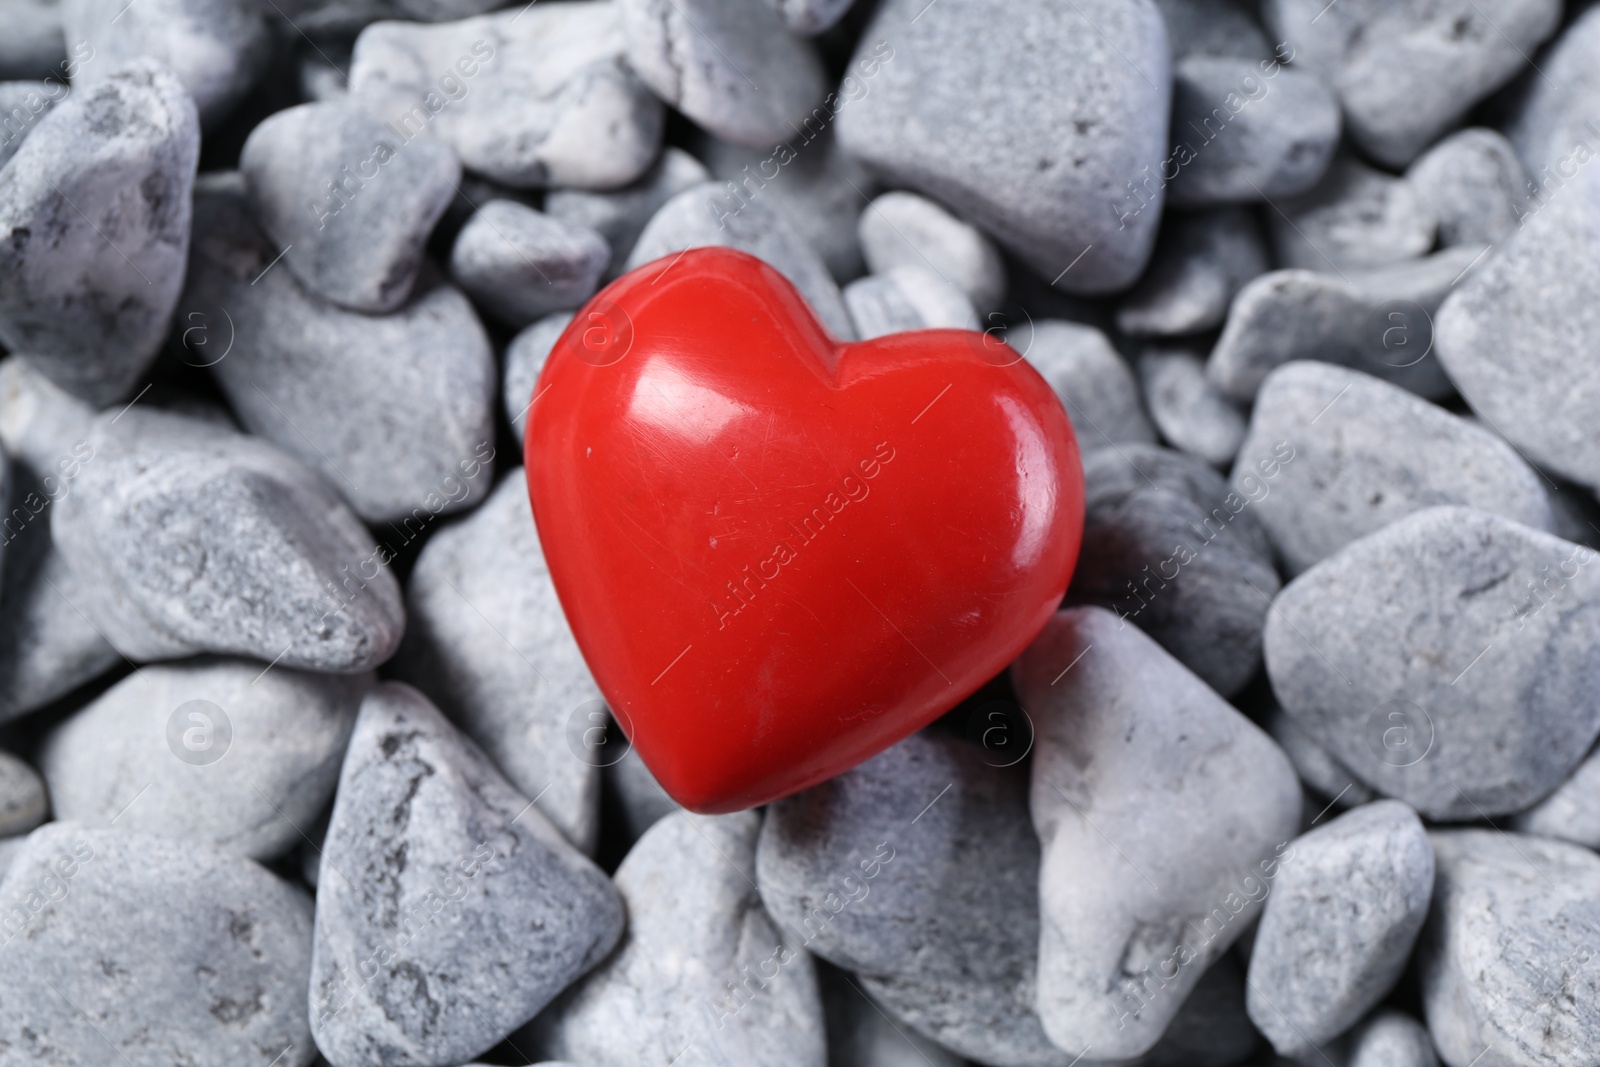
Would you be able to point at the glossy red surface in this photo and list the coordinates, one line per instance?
(778, 553)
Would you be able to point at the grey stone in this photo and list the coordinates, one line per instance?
(340, 391)
(1506, 955)
(1362, 653)
(1245, 131)
(1379, 321)
(188, 537)
(1094, 383)
(811, 17)
(22, 105)
(1339, 925)
(42, 426)
(1407, 72)
(33, 45)
(1356, 218)
(106, 176)
(449, 911)
(497, 656)
(320, 80)
(1518, 337)
(1201, 261)
(217, 48)
(1143, 775)
(525, 358)
(861, 1033)
(1212, 1028)
(350, 203)
(1187, 407)
(1571, 813)
(218, 752)
(335, 20)
(1389, 1038)
(1318, 770)
(702, 966)
(906, 298)
(641, 801)
(1215, 28)
(620, 215)
(519, 264)
(1040, 146)
(9, 847)
(119, 930)
(901, 229)
(1475, 185)
(889, 870)
(730, 65)
(531, 96)
(1169, 548)
(707, 215)
(1367, 454)
(1554, 123)
(23, 803)
(813, 183)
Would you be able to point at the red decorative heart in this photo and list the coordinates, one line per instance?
(781, 554)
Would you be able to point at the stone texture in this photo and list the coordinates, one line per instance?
(730, 65)
(350, 202)
(1407, 72)
(1475, 186)
(862, 1034)
(708, 215)
(1506, 957)
(531, 96)
(1355, 218)
(1187, 407)
(449, 911)
(1318, 770)
(1094, 383)
(1202, 260)
(889, 871)
(1553, 124)
(106, 932)
(106, 176)
(217, 752)
(1211, 1029)
(498, 658)
(340, 391)
(519, 264)
(1368, 454)
(1169, 548)
(1246, 131)
(906, 298)
(810, 17)
(901, 229)
(34, 46)
(1144, 775)
(1362, 654)
(22, 105)
(620, 215)
(1215, 28)
(23, 803)
(188, 537)
(525, 357)
(1339, 926)
(1571, 813)
(702, 969)
(1389, 1038)
(1029, 143)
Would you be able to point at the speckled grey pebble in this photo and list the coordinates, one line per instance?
(1247, 130)
(889, 871)
(1052, 149)
(1475, 185)
(33, 45)
(217, 751)
(1318, 770)
(349, 202)
(906, 298)
(448, 910)
(1167, 547)
(107, 176)
(1339, 925)
(1571, 813)
(730, 65)
(1215, 28)
(340, 391)
(530, 96)
(497, 657)
(901, 229)
(1356, 218)
(189, 537)
(620, 215)
(1554, 123)
(1380, 321)
(22, 105)
(1202, 259)
(1095, 384)
(1389, 1038)
(701, 966)
(23, 803)
(1507, 957)
(105, 931)
(519, 264)
(708, 215)
(1360, 653)
(525, 357)
(1187, 408)
(1368, 453)
(1406, 72)
(1142, 774)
